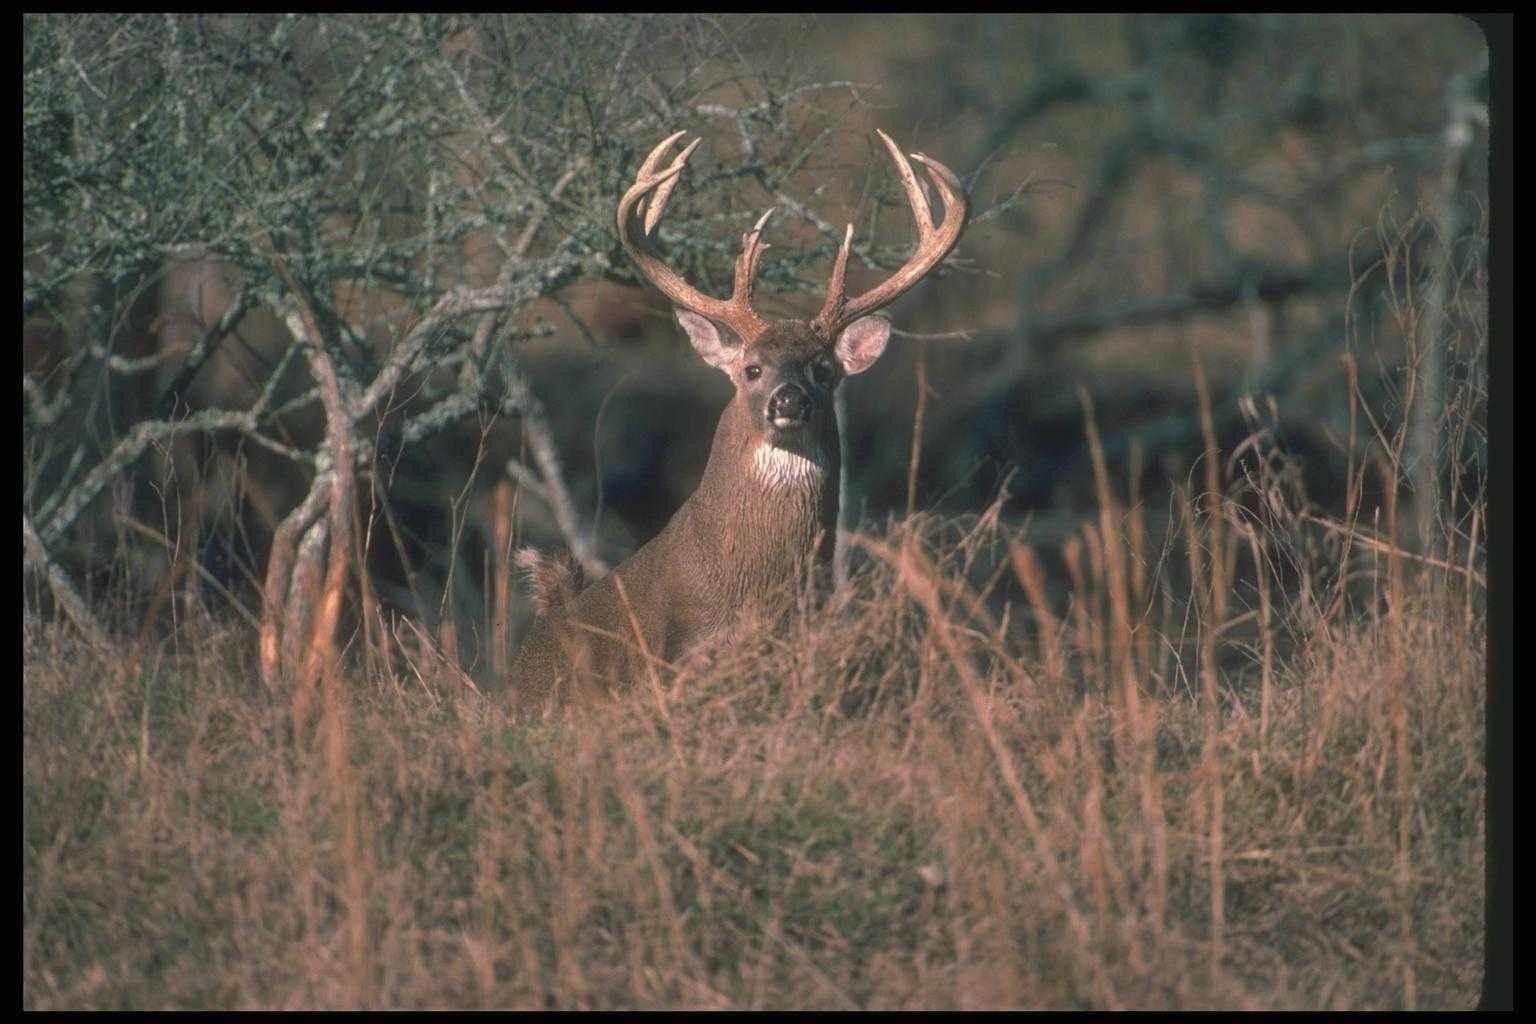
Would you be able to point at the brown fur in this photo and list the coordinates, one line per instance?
(743, 535)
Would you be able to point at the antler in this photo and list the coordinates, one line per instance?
(648, 197)
(933, 244)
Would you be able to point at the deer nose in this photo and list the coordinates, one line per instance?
(789, 406)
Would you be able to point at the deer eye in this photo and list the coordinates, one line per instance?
(820, 372)
(754, 371)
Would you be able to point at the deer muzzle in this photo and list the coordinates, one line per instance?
(789, 407)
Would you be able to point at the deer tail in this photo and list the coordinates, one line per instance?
(555, 578)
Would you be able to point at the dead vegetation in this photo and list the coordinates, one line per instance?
(1237, 768)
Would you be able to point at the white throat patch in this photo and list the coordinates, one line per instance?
(779, 469)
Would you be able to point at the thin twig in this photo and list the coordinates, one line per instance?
(1360, 536)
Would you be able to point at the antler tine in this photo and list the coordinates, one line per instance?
(752, 249)
(653, 188)
(914, 188)
(837, 297)
(649, 164)
(933, 243)
(657, 204)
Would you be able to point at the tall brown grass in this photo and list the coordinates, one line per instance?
(910, 794)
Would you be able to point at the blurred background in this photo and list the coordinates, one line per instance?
(1288, 212)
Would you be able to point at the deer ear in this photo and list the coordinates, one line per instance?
(861, 343)
(707, 339)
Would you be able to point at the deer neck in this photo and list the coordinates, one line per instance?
(762, 511)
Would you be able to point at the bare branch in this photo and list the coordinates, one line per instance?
(62, 512)
(64, 593)
(519, 283)
(341, 445)
(279, 574)
(205, 348)
(541, 445)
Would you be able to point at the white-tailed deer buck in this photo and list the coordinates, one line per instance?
(767, 503)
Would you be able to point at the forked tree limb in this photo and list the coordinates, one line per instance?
(342, 447)
(280, 562)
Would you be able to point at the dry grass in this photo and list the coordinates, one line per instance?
(921, 793)
(1223, 753)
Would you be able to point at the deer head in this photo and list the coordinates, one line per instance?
(785, 371)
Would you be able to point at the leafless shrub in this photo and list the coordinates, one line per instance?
(218, 207)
